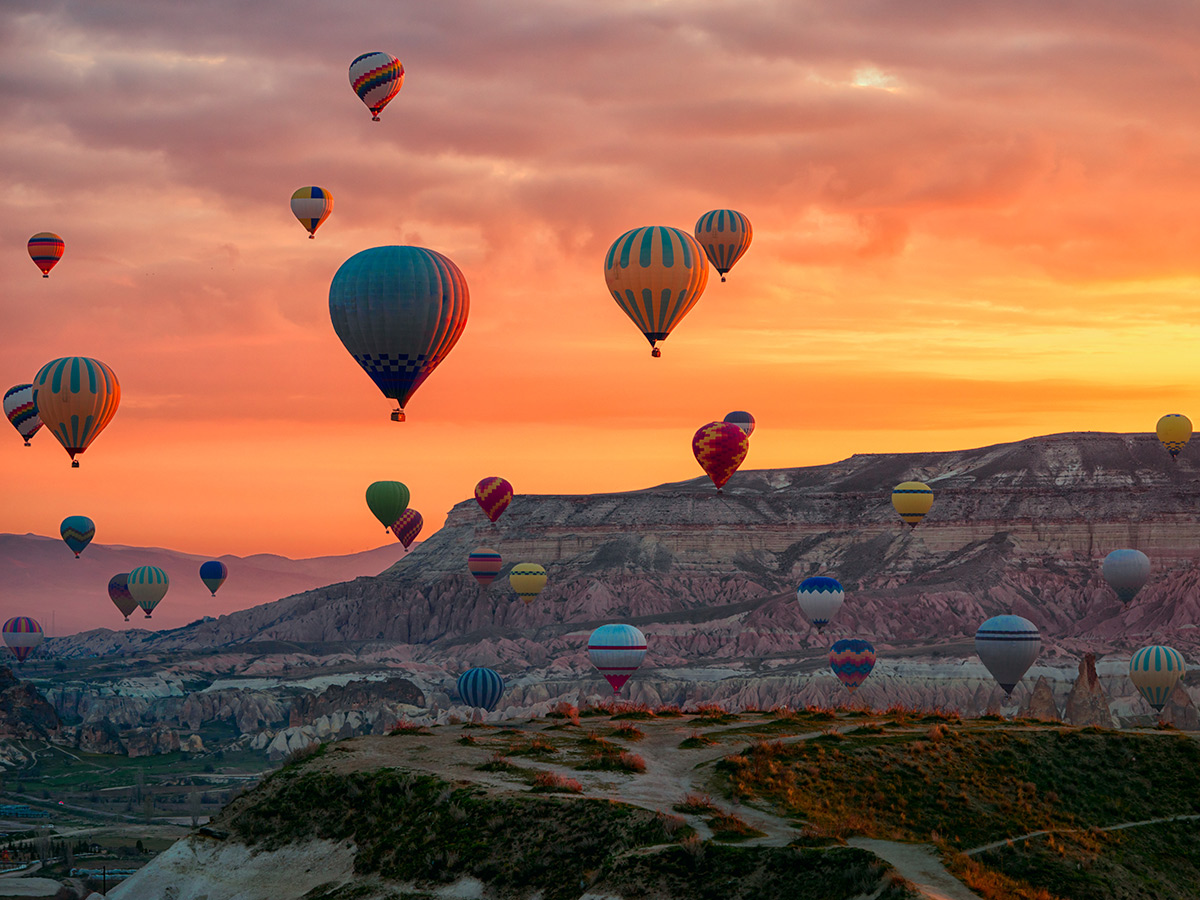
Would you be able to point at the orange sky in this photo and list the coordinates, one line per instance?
(973, 223)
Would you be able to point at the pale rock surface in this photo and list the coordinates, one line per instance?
(1087, 703)
(1041, 703)
(1180, 711)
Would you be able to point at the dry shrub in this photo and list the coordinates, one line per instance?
(693, 847)
(497, 763)
(408, 727)
(632, 710)
(668, 711)
(723, 823)
(565, 710)
(696, 803)
(467, 740)
(552, 781)
(629, 733)
(696, 739)
(631, 762)
(670, 824)
(937, 732)
(992, 885)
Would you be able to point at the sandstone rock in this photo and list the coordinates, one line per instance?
(192, 744)
(1180, 711)
(100, 737)
(151, 741)
(24, 713)
(1087, 703)
(1041, 703)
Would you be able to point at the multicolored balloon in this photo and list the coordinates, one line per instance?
(118, 592)
(481, 688)
(617, 651)
(147, 586)
(527, 579)
(656, 274)
(1174, 430)
(742, 420)
(312, 206)
(725, 234)
(820, 598)
(720, 447)
(77, 532)
(912, 499)
(22, 411)
(46, 249)
(213, 573)
(399, 311)
(23, 635)
(493, 495)
(1126, 572)
(485, 564)
(386, 500)
(1155, 671)
(407, 526)
(1007, 645)
(376, 77)
(76, 397)
(852, 660)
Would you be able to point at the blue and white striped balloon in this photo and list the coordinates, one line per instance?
(617, 651)
(480, 687)
(1008, 645)
(1154, 671)
(820, 598)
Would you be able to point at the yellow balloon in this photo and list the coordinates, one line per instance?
(1174, 430)
(76, 396)
(527, 579)
(912, 500)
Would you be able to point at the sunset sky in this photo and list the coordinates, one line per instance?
(973, 223)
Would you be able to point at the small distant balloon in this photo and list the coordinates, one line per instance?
(76, 397)
(376, 77)
(386, 500)
(742, 420)
(617, 651)
(46, 249)
(912, 500)
(1174, 430)
(527, 580)
(820, 598)
(1126, 572)
(407, 526)
(852, 660)
(77, 532)
(1155, 671)
(480, 687)
(118, 592)
(493, 494)
(1007, 645)
(312, 206)
(725, 234)
(148, 585)
(22, 411)
(485, 564)
(23, 635)
(213, 573)
(720, 447)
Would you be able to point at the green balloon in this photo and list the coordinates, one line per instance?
(387, 499)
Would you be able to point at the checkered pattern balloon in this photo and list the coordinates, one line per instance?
(720, 448)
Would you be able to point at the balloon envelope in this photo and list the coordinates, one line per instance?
(399, 311)
(480, 687)
(617, 651)
(77, 532)
(312, 206)
(407, 526)
(148, 585)
(76, 398)
(485, 564)
(852, 660)
(376, 77)
(820, 598)
(493, 494)
(527, 579)
(742, 420)
(213, 573)
(1174, 430)
(23, 635)
(720, 447)
(656, 274)
(1126, 572)
(1154, 671)
(386, 500)
(725, 234)
(912, 499)
(46, 249)
(118, 592)
(22, 411)
(1007, 645)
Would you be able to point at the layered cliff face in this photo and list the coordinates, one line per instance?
(24, 713)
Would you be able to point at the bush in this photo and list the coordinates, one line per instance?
(696, 803)
(497, 763)
(409, 728)
(696, 739)
(552, 781)
(629, 733)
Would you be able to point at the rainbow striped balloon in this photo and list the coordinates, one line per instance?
(22, 411)
(76, 397)
(46, 249)
(617, 651)
(376, 77)
(485, 564)
(77, 532)
(725, 234)
(312, 206)
(407, 527)
(23, 635)
(118, 592)
(480, 687)
(1154, 671)
(852, 660)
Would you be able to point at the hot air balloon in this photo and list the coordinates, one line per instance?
(1154, 672)
(912, 500)
(1007, 646)
(725, 234)
(407, 526)
(485, 564)
(1126, 571)
(480, 687)
(213, 573)
(23, 635)
(118, 591)
(77, 532)
(22, 411)
(312, 206)
(148, 585)
(656, 274)
(527, 579)
(493, 495)
(76, 396)
(742, 420)
(820, 598)
(386, 500)
(46, 249)
(376, 77)
(617, 651)
(720, 448)
(1174, 430)
(852, 660)
(399, 311)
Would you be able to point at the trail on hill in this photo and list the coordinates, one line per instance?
(1032, 834)
(918, 863)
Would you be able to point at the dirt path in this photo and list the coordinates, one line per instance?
(918, 863)
(1024, 837)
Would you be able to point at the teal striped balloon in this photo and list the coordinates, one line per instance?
(1155, 671)
(148, 585)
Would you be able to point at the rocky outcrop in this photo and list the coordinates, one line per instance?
(1180, 711)
(355, 696)
(99, 737)
(150, 741)
(1087, 703)
(24, 713)
(1041, 703)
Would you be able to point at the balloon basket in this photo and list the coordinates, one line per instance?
(656, 353)
(27, 444)
(311, 236)
(74, 464)
(398, 415)
(45, 274)
(722, 279)
(374, 118)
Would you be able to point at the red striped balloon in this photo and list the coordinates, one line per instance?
(46, 249)
(720, 448)
(485, 564)
(494, 494)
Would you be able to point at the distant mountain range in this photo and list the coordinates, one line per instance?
(42, 578)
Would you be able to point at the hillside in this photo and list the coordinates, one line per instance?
(806, 803)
